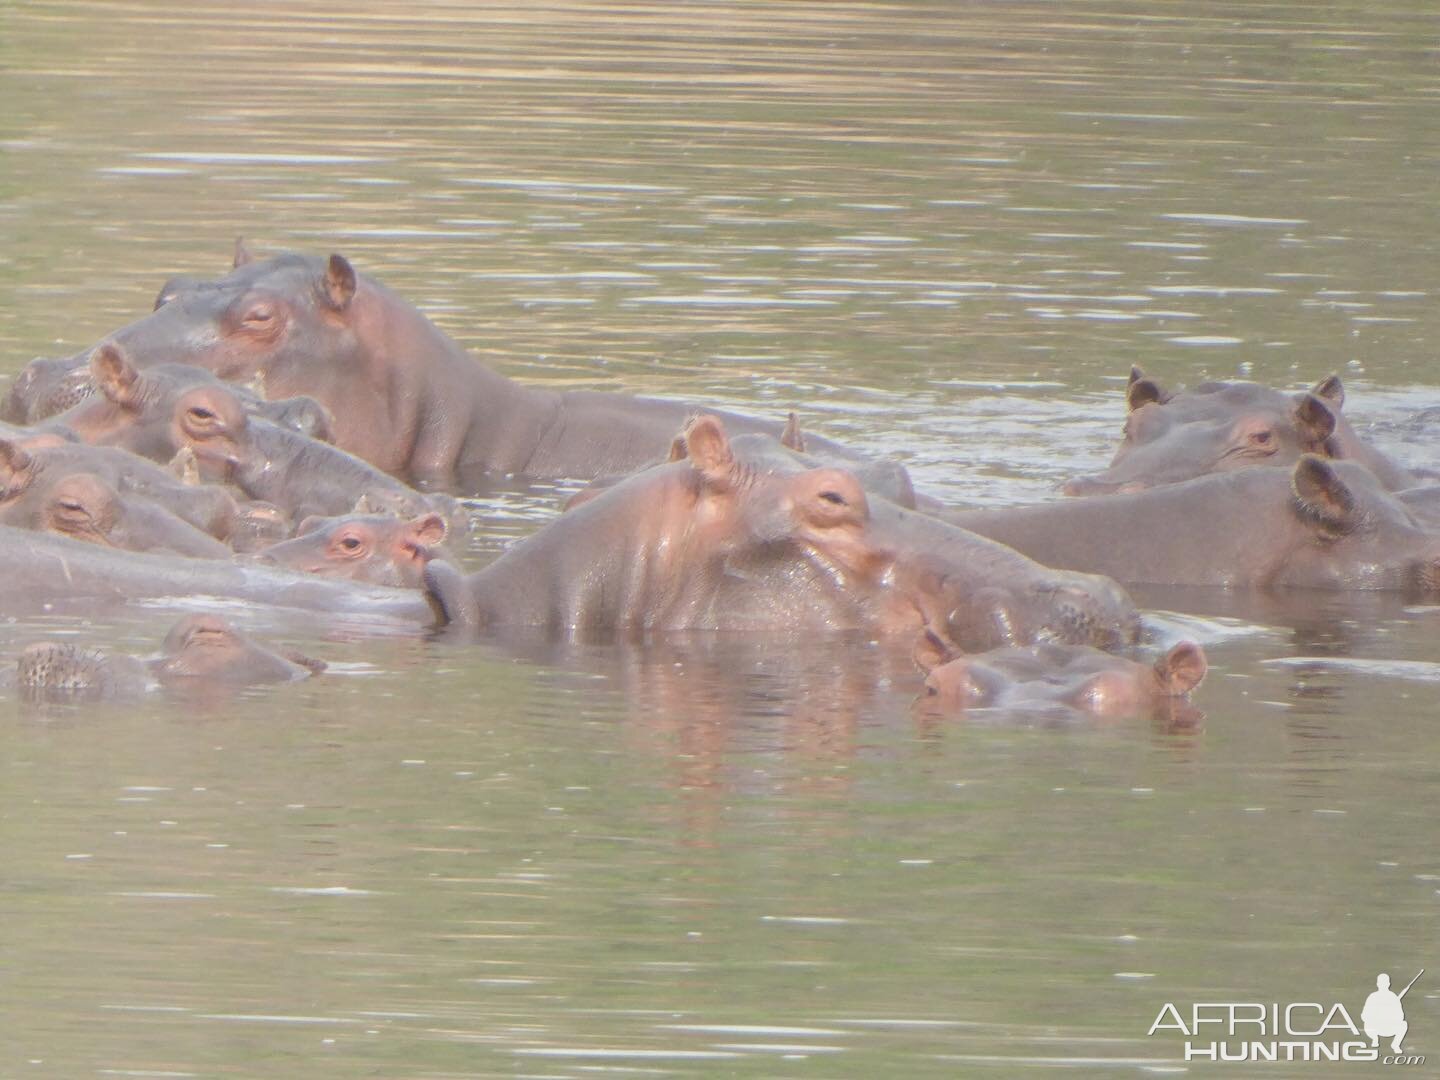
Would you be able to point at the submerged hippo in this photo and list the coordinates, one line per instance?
(404, 396)
(45, 571)
(99, 397)
(373, 548)
(987, 594)
(27, 477)
(199, 647)
(178, 409)
(1049, 676)
(1220, 426)
(1321, 524)
(711, 542)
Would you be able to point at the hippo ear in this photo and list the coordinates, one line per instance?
(1181, 669)
(1143, 391)
(17, 469)
(1332, 390)
(114, 374)
(708, 448)
(677, 450)
(243, 255)
(339, 282)
(426, 531)
(792, 438)
(1136, 374)
(1314, 419)
(1322, 496)
(932, 650)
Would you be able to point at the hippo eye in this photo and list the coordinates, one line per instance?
(350, 543)
(199, 412)
(834, 497)
(259, 316)
(1261, 438)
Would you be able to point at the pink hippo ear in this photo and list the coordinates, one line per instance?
(114, 374)
(1332, 390)
(425, 531)
(932, 651)
(1323, 497)
(339, 283)
(243, 255)
(708, 448)
(1314, 419)
(17, 469)
(1181, 669)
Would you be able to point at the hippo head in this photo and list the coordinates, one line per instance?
(46, 386)
(373, 548)
(1356, 535)
(159, 412)
(1052, 676)
(207, 647)
(821, 514)
(262, 315)
(1218, 427)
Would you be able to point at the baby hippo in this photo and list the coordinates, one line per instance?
(1050, 676)
(372, 548)
(200, 650)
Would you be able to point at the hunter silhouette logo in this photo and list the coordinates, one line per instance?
(1383, 1015)
(1295, 1031)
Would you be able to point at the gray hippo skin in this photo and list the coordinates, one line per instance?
(28, 474)
(403, 395)
(91, 394)
(1222, 426)
(1051, 676)
(1321, 524)
(373, 548)
(200, 648)
(176, 409)
(710, 542)
(44, 571)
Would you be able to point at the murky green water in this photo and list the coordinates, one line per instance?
(944, 230)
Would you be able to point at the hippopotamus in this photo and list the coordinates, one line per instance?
(1220, 426)
(83, 506)
(710, 542)
(374, 548)
(46, 386)
(1051, 676)
(201, 648)
(30, 473)
(404, 396)
(1320, 524)
(44, 571)
(988, 594)
(172, 409)
(94, 395)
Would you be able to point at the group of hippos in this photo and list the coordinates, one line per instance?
(286, 434)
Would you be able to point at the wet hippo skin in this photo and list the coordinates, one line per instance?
(200, 648)
(1320, 524)
(1170, 437)
(710, 541)
(404, 396)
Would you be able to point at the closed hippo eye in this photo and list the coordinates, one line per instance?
(834, 497)
(259, 316)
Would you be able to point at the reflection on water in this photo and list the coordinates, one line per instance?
(944, 231)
